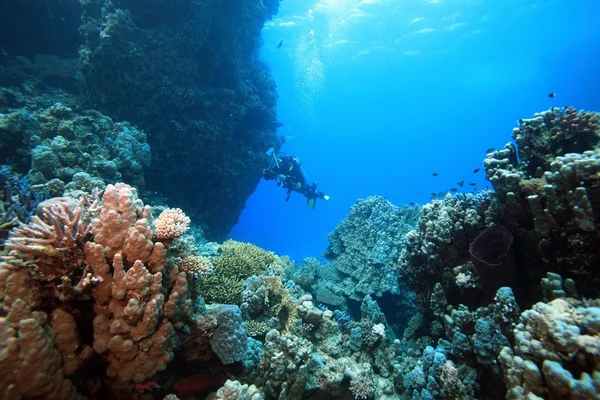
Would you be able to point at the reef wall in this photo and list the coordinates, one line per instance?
(186, 73)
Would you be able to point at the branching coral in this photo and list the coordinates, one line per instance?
(52, 245)
(18, 201)
(195, 266)
(361, 386)
(237, 262)
(171, 223)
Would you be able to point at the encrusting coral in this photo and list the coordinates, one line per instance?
(364, 247)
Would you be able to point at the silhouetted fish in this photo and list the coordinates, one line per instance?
(476, 170)
(552, 95)
(454, 190)
(461, 183)
(490, 150)
(280, 44)
(472, 184)
(435, 174)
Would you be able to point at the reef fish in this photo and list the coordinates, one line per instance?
(461, 183)
(149, 385)
(552, 95)
(435, 174)
(476, 170)
(280, 44)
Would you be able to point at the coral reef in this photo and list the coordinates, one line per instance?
(234, 390)
(266, 304)
(549, 195)
(237, 262)
(171, 223)
(54, 140)
(229, 337)
(31, 365)
(365, 246)
(100, 300)
(18, 201)
(188, 74)
(441, 242)
(556, 352)
(138, 299)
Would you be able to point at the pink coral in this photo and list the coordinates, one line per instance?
(171, 223)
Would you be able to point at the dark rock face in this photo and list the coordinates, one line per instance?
(187, 72)
(184, 71)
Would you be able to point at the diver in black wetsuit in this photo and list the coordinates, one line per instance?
(287, 171)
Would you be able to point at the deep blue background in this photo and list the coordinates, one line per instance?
(376, 95)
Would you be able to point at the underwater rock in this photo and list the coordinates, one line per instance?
(364, 248)
(197, 87)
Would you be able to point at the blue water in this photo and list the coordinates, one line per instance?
(377, 95)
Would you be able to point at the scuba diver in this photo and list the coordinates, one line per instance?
(287, 171)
